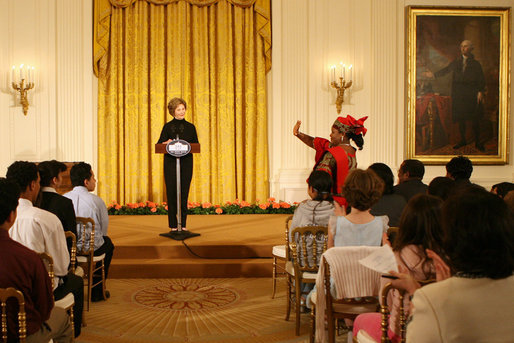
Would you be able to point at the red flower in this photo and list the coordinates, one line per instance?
(285, 205)
(219, 211)
(153, 210)
(206, 205)
(275, 205)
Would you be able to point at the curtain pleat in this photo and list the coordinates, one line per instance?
(215, 55)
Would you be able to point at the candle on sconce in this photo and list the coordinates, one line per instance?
(342, 68)
(33, 75)
(21, 72)
(344, 71)
(333, 73)
(350, 71)
(13, 76)
(29, 74)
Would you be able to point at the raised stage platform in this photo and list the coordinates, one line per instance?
(235, 246)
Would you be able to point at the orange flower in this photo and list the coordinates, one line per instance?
(237, 201)
(285, 205)
(217, 206)
(152, 204)
(228, 203)
(245, 204)
(153, 210)
(166, 207)
(142, 204)
(117, 207)
(219, 211)
(264, 206)
(206, 205)
(271, 199)
(275, 205)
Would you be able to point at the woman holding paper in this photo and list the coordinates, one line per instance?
(420, 229)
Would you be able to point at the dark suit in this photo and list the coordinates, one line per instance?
(410, 188)
(467, 82)
(62, 207)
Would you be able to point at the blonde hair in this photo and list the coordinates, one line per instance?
(173, 104)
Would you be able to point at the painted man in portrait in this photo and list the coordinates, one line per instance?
(467, 92)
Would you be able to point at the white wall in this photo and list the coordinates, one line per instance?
(55, 36)
(311, 35)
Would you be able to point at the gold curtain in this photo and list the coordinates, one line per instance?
(215, 55)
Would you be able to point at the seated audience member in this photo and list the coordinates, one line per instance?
(475, 303)
(92, 206)
(459, 169)
(441, 187)
(318, 209)
(42, 231)
(50, 173)
(410, 174)
(420, 229)
(22, 269)
(362, 189)
(389, 204)
(501, 189)
(314, 211)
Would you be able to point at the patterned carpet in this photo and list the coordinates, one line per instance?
(192, 310)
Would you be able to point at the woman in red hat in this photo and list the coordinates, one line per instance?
(336, 156)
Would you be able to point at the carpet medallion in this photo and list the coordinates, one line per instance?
(191, 310)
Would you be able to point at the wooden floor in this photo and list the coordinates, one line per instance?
(232, 246)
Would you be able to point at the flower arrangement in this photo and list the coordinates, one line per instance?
(270, 206)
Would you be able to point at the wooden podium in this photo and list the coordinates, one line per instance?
(162, 148)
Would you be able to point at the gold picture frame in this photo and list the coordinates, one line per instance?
(458, 84)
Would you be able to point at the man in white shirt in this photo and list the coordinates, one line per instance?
(42, 231)
(92, 206)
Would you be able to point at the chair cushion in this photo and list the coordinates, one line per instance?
(66, 302)
(79, 271)
(306, 275)
(279, 251)
(83, 259)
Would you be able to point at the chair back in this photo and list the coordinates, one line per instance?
(309, 243)
(385, 312)
(49, 264)
(6, 293)
(86, 236)
(288, 227)
(73, 250)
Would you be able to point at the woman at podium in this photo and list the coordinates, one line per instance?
(178, 127)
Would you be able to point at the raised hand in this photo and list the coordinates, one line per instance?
(442, 271)
(296, 128)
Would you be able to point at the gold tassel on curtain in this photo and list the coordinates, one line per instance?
(215, 55)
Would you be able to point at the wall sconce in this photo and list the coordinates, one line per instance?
(22, 84)
(342, 84)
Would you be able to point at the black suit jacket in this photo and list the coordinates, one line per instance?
(62, 207)
(410, 188)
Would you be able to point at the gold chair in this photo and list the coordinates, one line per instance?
(86, 257)
(363, 298)
(6, 293)
(68, 301)
(364, 337)
(307, 245)
(280, 253)
(384, 310)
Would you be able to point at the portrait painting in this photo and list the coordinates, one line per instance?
(457, 84)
